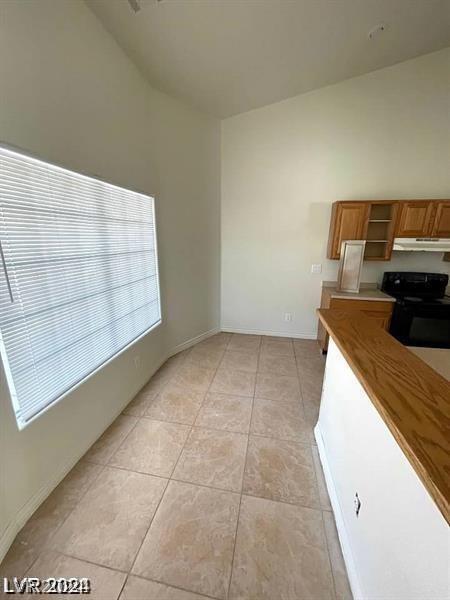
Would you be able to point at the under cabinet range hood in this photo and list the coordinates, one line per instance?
(424, 244)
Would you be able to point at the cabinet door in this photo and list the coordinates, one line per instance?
(441, 224)
(382, 319)
(415, 219)
(349, 221)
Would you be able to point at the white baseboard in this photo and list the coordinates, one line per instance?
(300, 336)
(193, 341)
(340, 524)
(22, 516)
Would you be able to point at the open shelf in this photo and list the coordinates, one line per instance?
(380, 231)
(375, 249)
(377, 230)
(381, 212)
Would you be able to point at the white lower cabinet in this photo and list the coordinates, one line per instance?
(398, 547)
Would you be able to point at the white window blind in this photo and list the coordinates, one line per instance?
(79, 277)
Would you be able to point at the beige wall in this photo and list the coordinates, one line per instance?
(382, 135)
(70, 95)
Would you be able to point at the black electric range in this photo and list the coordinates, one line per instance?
(421, 315)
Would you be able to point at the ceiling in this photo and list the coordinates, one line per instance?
(229, 56)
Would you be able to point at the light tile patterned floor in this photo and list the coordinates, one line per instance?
(208, 485)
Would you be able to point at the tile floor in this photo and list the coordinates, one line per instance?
(208, 485)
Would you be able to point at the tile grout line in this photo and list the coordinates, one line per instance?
(170, 380)
(44, 546)
(139, 418)
(327, 546)
(122, 587)
(257, 435)
(243, 478)
(310, 444)
(128, 574)
(133, 562)
(204, 485)
(249, 398)
(311, 439)
(206, 393)
(166, 478)
(101, 470)
(104, 466)
(125, 572)
(169, 585)
(169, 479)
(179, 456)
(280, 439)
(285, 502)
(295, 441)
(192, 426)
(219, 489)
(196, 415)
(91, 562)
(157, 393)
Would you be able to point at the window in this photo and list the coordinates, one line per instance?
(78, 277)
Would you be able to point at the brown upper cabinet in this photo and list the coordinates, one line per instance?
(415, 219)
(372, 221)
(380, 221)
(348, 222)
(441, 221)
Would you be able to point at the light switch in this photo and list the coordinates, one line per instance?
(316, 268)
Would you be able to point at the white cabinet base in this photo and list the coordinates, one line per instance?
(397, 547)
(345, 545)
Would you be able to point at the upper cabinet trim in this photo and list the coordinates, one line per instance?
(380, 221)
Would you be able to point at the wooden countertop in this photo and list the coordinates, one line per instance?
(412, 399)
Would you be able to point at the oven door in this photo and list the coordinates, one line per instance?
(422, 325)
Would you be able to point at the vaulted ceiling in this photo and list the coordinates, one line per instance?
(229, 56)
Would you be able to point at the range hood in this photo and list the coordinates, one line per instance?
(424, 244)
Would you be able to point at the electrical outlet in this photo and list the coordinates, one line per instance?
(316, 268)
(288, 317)
(137, 361)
